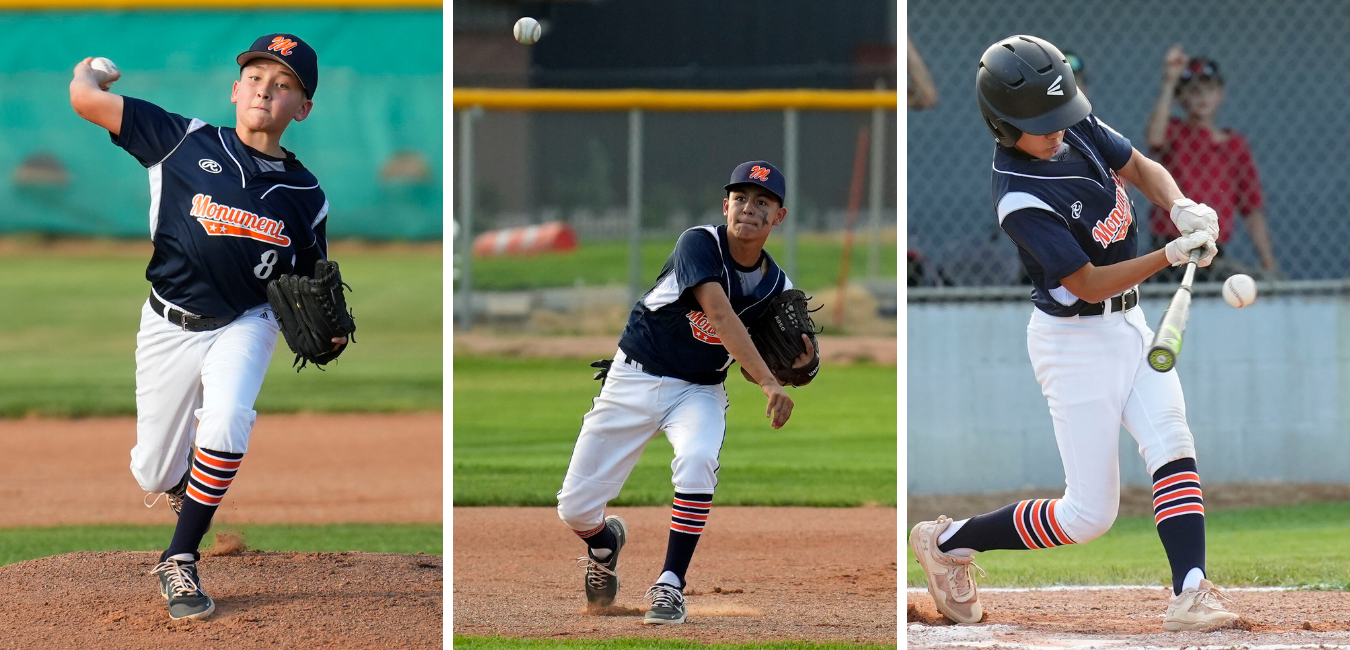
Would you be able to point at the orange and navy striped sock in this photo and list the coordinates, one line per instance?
(210, 476)
(600, 537)
(1016, 526)
(689, 512)
(1179, 513)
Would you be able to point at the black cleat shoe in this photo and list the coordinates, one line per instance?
(602, 578)
(180, 585)
(667, 605)
(176, 493)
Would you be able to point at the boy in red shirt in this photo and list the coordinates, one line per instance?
(1211, 165)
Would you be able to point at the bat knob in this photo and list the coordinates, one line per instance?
(1161, 359)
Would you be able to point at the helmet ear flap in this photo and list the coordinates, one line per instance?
(1005, 134)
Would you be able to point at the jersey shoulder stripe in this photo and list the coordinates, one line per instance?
(194, 125)
(1014, 201)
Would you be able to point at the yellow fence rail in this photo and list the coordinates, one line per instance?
(674, 100)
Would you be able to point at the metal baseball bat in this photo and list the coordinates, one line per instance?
(1167, 340)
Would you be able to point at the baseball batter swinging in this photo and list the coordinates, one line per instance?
(230, 210)
(668, 375)
(1058, 193)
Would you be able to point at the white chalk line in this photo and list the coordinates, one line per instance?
(1015, 590)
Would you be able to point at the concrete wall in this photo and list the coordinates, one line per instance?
(1267, 395)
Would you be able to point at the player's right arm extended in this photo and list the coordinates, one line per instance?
(1097, 283)
(92, 102)
(736, 339)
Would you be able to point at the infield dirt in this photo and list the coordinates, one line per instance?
(760, 574)
(1130, 618)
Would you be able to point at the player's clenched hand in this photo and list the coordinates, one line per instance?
(780, 405)
(1179, 250)
(1190, 217)
(104, 80)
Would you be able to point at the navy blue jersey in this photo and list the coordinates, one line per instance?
(225, 219)
(667, 331)
(1066, 212)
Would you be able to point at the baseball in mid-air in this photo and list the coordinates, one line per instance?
(527, 31)
(1239, 290)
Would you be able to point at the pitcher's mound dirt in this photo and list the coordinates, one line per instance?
(760, 574)
(263, 600)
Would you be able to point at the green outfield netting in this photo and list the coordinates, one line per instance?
(373, 139)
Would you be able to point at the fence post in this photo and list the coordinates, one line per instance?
(634, 204)
(878, 164)
(795, 214)
(465, 293)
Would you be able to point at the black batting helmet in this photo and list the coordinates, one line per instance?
(1025, 84)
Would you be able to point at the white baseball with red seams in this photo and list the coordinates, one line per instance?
(1239, 290)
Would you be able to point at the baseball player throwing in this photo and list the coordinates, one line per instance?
(1059, 194)
(230, 210)
(668, 375)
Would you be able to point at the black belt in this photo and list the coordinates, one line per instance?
(1123, 302)
(189, 322)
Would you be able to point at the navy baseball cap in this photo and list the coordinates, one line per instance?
(290, 51)
(761, 173)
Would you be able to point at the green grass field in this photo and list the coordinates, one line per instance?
(68, 336)
(1288, 546)
(517, 419)
(599, 263)
(501, 643)
(19, 544)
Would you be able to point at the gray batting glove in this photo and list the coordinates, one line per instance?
(1178, 250)
(1190, 217)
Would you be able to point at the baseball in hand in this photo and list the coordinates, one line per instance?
(108, 70)
(527, 31)
(1239, 290)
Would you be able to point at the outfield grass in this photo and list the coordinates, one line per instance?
(502, 643)
(516, 421)
(68, 336)
(1288, 546)
(606, 262)
(19, 544)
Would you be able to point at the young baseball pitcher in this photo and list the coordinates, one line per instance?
(230, 210)
(668, 375)
(1058, 193)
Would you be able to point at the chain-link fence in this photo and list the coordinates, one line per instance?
(1286, 92)
(574, 167)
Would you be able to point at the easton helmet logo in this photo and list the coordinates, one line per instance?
(701, 328)
(209, 165)
(281, 44)
(1054, 87)
(759, 173)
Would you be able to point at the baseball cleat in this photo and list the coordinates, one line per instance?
(1198, 609)
(180, 585)
(176, 493)
(667, 605)
(602, 578)
(949, 581)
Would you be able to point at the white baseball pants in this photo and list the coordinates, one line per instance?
(1094, 372)
(196, 385)
(633, 407)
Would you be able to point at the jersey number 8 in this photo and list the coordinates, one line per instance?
(269, 260)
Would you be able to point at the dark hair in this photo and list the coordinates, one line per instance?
(1198, 69)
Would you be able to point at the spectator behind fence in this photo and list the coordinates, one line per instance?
(920, 90)
(1211, 165)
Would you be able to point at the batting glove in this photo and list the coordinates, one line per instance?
(1178, 250)
(1190, 217)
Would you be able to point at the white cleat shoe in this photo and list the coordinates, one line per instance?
(949, 580)
(1198, 609)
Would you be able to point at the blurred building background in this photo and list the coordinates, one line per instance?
(1266, 386)
(374, 138)
(531, 167)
